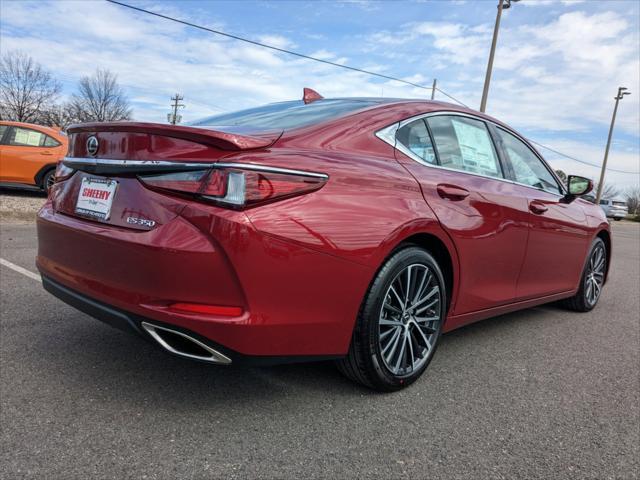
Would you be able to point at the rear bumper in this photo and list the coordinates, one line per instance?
(132, 323)
(210, 256)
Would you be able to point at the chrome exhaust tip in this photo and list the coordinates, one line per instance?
(184, 345)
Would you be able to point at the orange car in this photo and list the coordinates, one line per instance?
(29, 154)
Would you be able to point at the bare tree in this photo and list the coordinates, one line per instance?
(57, 116)
(25, 87)
(100, 99)
(632, 196)
(608, 192)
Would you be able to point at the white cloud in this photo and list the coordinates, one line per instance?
(557, 75)
(619, 159)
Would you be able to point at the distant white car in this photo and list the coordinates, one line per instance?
(614, 208)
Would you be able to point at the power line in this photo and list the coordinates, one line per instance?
(578, 160)
(549, 148)
(452, 98)
(271, 47)
(327, 62)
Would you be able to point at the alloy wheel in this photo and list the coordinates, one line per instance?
(410, 319)
(594, 277)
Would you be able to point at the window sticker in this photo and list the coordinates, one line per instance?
(475, 148)
(27, 137)
(21, 136)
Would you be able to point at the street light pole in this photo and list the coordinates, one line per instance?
(502, 5)
(618, 97)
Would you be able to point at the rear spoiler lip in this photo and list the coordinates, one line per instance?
(223, 140)
(112, 166)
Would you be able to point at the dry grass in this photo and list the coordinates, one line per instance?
(19, 206)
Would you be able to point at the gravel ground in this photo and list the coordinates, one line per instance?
(539, 394)
(19, 206)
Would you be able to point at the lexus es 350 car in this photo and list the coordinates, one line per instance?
(354, 229)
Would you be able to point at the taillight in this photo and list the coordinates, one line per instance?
(238, 187)
(62, 172)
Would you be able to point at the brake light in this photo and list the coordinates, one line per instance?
(188, 182)
(238, 187)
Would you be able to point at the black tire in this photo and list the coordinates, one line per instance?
(365, 362)
(617, 219)
(582, 301)
(47, 180)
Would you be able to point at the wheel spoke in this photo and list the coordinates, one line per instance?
(392, 308)
(599, 266)
(393, 290)
(428, 296)
(423, 284)
(426, 307)
(384, 335)
(596, 288)
(401, 354)
(408, 290)
(391, 346)
(410, 342)
(429, 330)
(390, 322)
(589, 288)
(424, 338)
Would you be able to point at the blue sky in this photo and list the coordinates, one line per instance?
(557, 68)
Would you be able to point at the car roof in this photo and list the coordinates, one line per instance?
(58, 133)
(419, 104)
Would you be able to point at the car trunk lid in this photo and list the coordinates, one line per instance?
(108, 157)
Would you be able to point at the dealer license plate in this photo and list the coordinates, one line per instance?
(95, 197)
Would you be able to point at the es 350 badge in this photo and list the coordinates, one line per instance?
(141, 221)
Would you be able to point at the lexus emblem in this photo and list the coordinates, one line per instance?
(92, 145)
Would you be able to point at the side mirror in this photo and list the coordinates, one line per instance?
(577, 186)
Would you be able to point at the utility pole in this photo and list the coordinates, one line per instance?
(173, 117)
(502, 5)
(433, 88)
(617, 98)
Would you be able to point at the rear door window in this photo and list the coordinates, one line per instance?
(26, 137)
(3, 130)
(465, 144)
(415, 137)
(50, 142)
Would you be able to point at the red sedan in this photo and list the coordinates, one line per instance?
(353, 229)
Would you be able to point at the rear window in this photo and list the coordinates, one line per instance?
(26, 137)
(286, 115)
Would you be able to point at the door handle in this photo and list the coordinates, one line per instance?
(46, 153)
(452, 192)
(538, 207)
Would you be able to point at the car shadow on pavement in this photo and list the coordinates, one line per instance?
(90, 357)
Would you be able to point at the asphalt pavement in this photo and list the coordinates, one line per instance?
(542, 393)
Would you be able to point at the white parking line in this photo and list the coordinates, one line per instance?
(19, 269)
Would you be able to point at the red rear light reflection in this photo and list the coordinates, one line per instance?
(220, 310)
